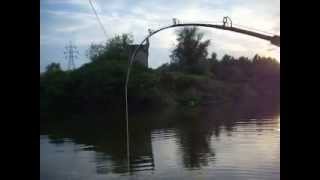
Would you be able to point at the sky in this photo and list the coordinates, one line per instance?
(62, 21)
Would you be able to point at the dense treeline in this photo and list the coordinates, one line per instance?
(191, 78)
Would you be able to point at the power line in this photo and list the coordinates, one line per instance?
(127, 122)
(99, 20)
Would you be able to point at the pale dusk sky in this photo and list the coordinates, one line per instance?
(65, 20)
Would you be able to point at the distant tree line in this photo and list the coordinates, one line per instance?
(191, 78)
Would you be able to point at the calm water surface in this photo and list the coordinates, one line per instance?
(212, 146)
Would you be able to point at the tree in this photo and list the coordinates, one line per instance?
(95, 51)
(227, 59)
(190, 51)
(116, 48)
(213, 63)
(214, 56)
(53, 67)
(213, 60)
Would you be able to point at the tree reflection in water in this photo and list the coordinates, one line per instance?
(105, 135)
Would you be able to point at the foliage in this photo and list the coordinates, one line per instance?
(53, 67)
(191, 79)
(115, 48)
(190, 52)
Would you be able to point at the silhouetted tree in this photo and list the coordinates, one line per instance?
(190, 52)
(227, 59)
(214, 56)
(116, 48)
(53, 67)
(184, 81)
(95, 51)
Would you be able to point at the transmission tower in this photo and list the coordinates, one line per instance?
(71, 53)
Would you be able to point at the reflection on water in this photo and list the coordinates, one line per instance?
(163, 145)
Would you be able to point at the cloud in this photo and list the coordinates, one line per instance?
(64, 2)
(64, 20)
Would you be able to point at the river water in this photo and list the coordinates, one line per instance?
(163, 145)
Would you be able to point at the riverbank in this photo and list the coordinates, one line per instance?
(190, 80)
(100, 86)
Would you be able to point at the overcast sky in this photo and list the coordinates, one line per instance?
(65, 20)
